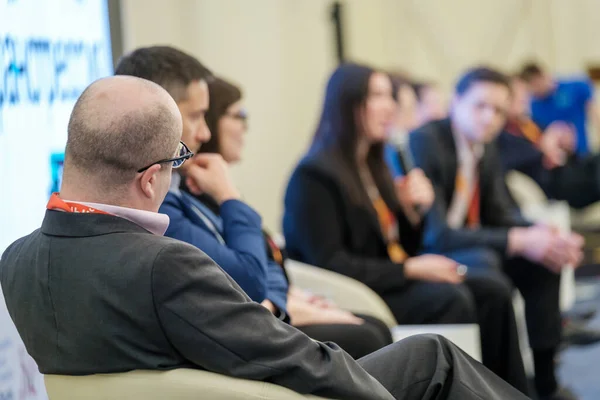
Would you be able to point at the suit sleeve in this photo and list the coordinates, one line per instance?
(518, 154)
(314, 228)
(212, 323)
(277, 286)
(243, 254)
(439, 237)
(499, 208)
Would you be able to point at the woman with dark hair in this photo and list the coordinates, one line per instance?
(344, 212)
(231, 234)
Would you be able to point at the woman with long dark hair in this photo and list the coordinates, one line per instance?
(344, 212)
(200, 220)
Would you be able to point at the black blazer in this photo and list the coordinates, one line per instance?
(93, 293)
(434, 151)
(323, 227)
(519, 154)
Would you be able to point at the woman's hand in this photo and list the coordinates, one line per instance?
(303, 313)
(415, 194)
(433, 268)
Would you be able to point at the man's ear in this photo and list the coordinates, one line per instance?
(149, 179)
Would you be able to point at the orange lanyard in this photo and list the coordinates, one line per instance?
(56, 203)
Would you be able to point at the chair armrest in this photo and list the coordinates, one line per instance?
(524, 190)
(182, 384)
(346, 292)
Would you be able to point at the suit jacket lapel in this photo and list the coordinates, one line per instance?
(450, 165)
(202, 214)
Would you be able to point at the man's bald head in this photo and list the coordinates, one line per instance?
(119, 125)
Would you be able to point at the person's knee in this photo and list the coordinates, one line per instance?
(379, 329)
(426, 344)
(372, 341)
(460, 299)
(496, 287)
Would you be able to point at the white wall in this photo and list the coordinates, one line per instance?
(281, 52)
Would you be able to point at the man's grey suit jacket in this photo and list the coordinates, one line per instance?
(92, 293)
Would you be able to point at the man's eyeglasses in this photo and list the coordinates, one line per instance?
(184, 154)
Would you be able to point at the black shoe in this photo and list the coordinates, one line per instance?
(579, 335)
(561, 394)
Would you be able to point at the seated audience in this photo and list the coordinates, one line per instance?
(547, 156)
(570, 101)
(230, 231)
(98, 289)
(343, 213)
(473, 214)
(431, 104)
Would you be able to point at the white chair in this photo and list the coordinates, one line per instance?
(354, 296)
(178, 384)
(536, 207)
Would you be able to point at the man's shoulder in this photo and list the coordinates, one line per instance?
(158, 244)
(320, 165)
(18, 245)
(428, 137)
(137, 242)
(432, 130)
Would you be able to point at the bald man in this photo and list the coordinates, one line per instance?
(98, 289)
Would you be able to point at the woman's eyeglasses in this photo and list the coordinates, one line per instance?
(184, 154)
(240, 115)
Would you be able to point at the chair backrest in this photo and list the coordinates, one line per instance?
(179, 384)
(525, 190)
(347, 293)
(536, 207)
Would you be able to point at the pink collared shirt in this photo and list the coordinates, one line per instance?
(153, 222)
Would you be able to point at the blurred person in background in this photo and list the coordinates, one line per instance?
(474, 214)
(548, 156)
(570, 101)
(405, 120)
(231, 234)
(343, 212)
(431, 103)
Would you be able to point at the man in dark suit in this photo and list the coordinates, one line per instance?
(98, 289)
(474, 215)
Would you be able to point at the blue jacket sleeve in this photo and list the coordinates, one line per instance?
(277, 286)
(243, 256)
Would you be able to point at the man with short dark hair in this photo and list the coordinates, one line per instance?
(98, 289)
(183, 77)
(568, 101)
(475, 222)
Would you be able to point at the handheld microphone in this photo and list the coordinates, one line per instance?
(400, 142)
